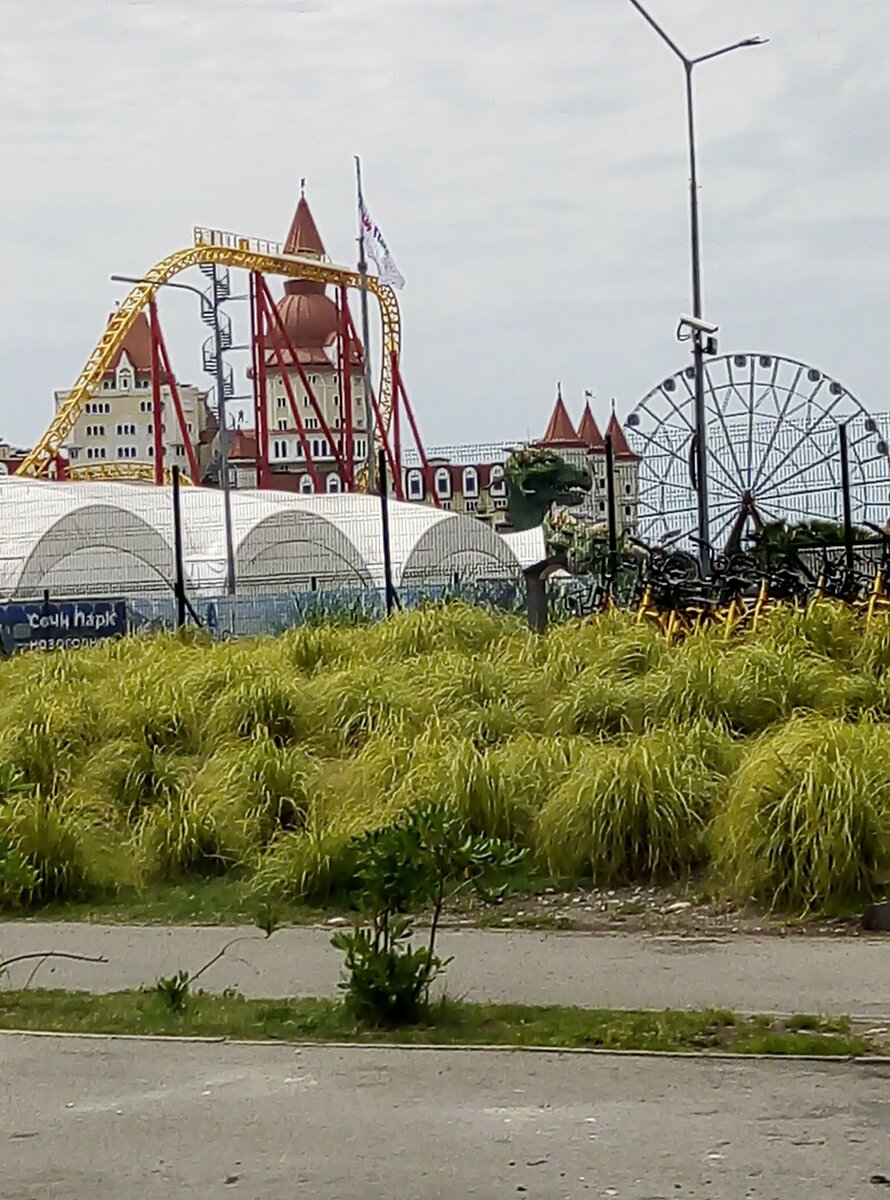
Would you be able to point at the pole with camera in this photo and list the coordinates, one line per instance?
(700, 331)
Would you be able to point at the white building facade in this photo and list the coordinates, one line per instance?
(117, 424)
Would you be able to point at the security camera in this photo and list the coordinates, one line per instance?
(698, 324)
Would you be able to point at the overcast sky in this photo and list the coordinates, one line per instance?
(525, 160)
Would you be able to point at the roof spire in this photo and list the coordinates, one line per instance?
(588, 430)
(560, 428)
(303, 237)
(620, 447)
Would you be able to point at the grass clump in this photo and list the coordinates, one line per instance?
(61, 849)
(636, 810)
(807, 819)
(184, 836)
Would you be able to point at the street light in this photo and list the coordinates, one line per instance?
(220, 410)
(701, 449)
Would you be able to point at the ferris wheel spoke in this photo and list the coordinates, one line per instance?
(677, 458)
(779, 484)
(679, 410)
(749, 464)
(777, 426)
(734, 485)
(805, 436)
(729, 441)
(726, 512)
(720, 523)
(816, 490)
(690, 390)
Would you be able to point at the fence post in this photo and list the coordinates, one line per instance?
(536, 598)
(179, 584)
(384, 523)
(848, 507)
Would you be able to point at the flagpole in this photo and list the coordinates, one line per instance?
(366, 339)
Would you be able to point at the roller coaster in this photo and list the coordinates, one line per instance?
(218, 248)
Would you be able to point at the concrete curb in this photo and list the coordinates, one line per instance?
(704, 1055)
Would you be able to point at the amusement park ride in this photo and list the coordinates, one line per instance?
(272, 350)
(772, 423)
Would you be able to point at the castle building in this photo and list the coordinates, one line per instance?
(312, 322)
(473, 478)
(586, 447)
(117, 424)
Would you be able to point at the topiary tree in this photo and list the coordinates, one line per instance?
(539, 479)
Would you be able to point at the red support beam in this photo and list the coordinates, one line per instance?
(170, 380)
(157, 411)
(396, 430)
(260, 391)
(344, 344)
(265, 303)
(399, 392)
(375, 408)
(272, 311)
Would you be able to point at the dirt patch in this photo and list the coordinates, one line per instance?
(649, 910)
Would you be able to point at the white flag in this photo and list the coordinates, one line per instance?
(379, 251)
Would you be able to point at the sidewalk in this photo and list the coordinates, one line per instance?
(769, 974)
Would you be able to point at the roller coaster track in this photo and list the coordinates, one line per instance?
(223, 249)
(108, 472)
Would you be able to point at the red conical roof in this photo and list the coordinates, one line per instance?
(303, 237)
(560, 431)
(137, 347)
(620, 448)
(309, 315)
(589, 431)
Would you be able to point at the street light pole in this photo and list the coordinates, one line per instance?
(220, 409)
(698, 351)
(698, 354)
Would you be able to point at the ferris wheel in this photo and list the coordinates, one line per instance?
(773, 449)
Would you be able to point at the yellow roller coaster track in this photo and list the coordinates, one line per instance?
(130, 472)
(223, 249)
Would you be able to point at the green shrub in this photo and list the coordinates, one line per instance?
(273, 706)
(352, 705)
(807, 823)
(634, 811)
(598, 745)
(265, 785)
(310, 866)
(186, 836)
(131, 775)
(495, 790)
(60, 849)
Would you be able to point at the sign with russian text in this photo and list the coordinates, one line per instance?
(66, 624)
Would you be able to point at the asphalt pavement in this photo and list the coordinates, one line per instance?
(107, 1119)
(749, 974)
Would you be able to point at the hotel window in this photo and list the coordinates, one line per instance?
(443, 483)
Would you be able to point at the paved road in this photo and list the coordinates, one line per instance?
(107, 1119)
(769, 974)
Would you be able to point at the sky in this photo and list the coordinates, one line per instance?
(526, 162)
